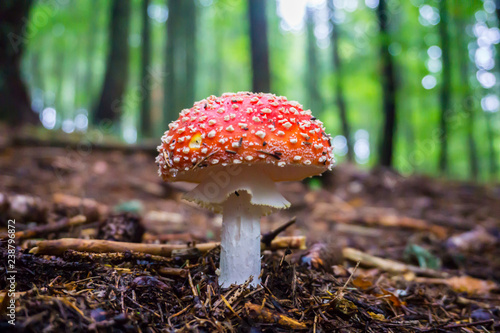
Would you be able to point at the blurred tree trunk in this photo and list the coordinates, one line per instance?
(493, 157)
(465, 92)
(36, 63)
(218, 67)
(444, 97)
(314, 100)
(189, 18)
(145, 117)
(116, 77)
(91, 46)
(339, 82)
(175, 53)
(259, 45)
(15, 105)
(388, 89)
(490, 118)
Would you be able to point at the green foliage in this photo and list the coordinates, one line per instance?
(66, 53)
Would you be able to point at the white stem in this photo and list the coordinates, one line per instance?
(240, 241)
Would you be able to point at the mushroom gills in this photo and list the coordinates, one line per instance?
(219, 185)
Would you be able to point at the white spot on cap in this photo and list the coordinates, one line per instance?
(307, 162)
(220, 110)
(242, 125)
(181, 130)
(266, 110)
(318, 146)
(235, 144)
(281, 164)
(230, 128)
(204, 150)
(186, 150)
(249, 158)
(236, 161)
(293, 140)
(280, 133)
(287, 125)
(260, 134)
(226, 118)
(262, 156)
(235, 106)
(184, 119)
(177, 159)
(297, 158)
(256, 119)
(211, 134)
(212, 122)
(215, 161)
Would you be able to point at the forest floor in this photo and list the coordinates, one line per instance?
(428, 249)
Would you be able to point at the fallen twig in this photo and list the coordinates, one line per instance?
(387, 264)
(50, 228)
(59, 246)
(72, 255)
(267, 238)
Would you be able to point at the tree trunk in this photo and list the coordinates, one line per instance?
(444, 97)
(339, 90)
(170, 87)
(91, 46)
(388, 89)
(259, 45)
(493, 157)
(466, 94)
(189, 18)
(15, 105)
(314, 100)
(116, 77)
(145, 117)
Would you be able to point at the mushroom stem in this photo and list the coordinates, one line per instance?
(240, 241)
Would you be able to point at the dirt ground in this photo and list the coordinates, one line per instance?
(428, 249)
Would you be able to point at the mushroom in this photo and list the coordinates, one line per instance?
(236, 147)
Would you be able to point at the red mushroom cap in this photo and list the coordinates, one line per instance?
(263, 130)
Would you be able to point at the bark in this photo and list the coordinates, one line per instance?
(388, 89)
(91, 46)
(259, 46)
(444, 97)
(339, 89)
(466, 96)
(145, 117)
(111, 101)
(314, 99)
(170, 107)
(493, 156)
(189, 19)
(15, 107)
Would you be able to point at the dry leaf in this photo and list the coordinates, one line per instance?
(470, 285)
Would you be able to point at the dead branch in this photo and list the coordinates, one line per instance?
(388, 265)
(50, 228)
(113, 257)
(71, 205)
(59, 246)
(268, 237)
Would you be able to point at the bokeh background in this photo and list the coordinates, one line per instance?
(405, 84)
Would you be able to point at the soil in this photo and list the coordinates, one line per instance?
(442, 239)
